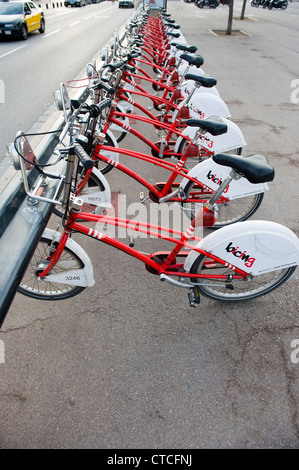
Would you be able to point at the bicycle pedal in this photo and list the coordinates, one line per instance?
(143, 199)
(229, 286)
(194, 297)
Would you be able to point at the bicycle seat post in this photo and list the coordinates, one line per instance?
(211, 204)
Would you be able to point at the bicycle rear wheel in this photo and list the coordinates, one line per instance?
(192, 162)
(31, 286)
(235, 290)
(93, 186)
(229, 212)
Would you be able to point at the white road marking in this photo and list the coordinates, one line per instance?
(53, 32)
(14, 50)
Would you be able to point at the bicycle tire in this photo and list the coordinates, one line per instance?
(242, 289)
(191, 162)
(103, 166)
(30, 286)
(118, 132)
(228, 213)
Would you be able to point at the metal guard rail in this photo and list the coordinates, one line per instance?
(22, 224)
(22, 227)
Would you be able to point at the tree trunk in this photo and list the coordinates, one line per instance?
(230, 17)
(243, 10)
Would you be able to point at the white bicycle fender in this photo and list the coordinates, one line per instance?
(187, 68)
(114, 155)
(99, 198)
(185, 88)
(212, 175)
(255, 246)
(203, 105)
(231, 140)
(180, 40)
(79, 277)
(122, 107)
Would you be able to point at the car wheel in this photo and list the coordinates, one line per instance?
(23, 32)
(42, 26)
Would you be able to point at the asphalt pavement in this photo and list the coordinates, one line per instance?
(128, 364)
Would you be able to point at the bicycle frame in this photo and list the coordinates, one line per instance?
(171, 129)
(176, 170)
(162, 263)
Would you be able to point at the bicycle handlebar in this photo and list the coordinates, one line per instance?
(110, 90)
(117, 65)
(86, 161)
(96, 109)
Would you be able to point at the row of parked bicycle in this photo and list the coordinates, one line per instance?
(199, 146)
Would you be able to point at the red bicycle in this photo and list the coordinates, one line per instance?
(195, 187)
(226, 265)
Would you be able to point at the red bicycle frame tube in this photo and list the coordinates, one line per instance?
(176, 170)
(169, 266)
(150, 63)
(158, 101)
(171, 129)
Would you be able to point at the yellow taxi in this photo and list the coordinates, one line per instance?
(18, 18)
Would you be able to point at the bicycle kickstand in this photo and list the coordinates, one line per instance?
(194, 297)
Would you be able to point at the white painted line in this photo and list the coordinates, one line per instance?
(102, 17)
(106, 9)
(246, 34)
(253, 18)
(53, 32)
(76, 22)
(59, 14)
(14, 50)
(212, 32)
(91, 16)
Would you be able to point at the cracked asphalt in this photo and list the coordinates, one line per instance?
(128, 364)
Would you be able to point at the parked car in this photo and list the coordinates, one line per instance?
(75, 3)
(207, 3)
(126, 4)
(20, 18)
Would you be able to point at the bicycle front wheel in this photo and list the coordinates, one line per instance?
(31, 286)
(91, 187)
(229, 212)
(235, 290)
(101, 165)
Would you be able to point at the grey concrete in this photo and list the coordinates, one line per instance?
(128, 364)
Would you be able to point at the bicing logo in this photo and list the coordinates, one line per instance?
(238, 253)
